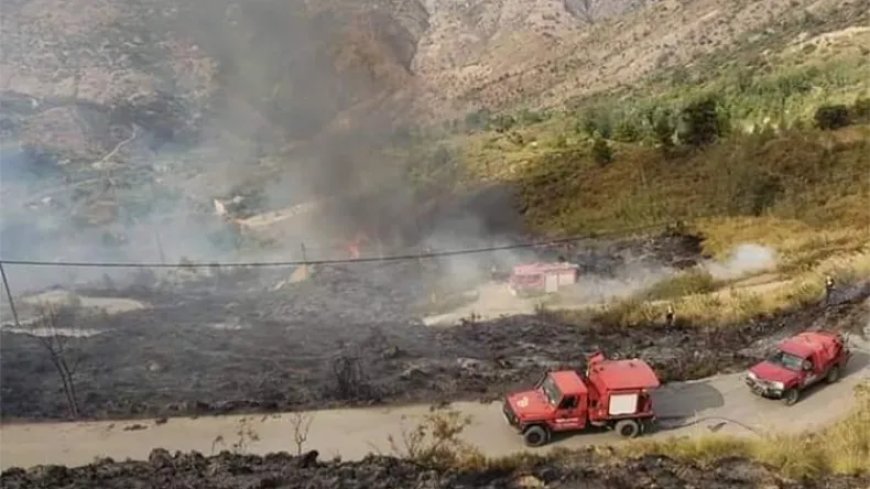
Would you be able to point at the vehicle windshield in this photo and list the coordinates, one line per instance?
(787, 360)
(551, 391)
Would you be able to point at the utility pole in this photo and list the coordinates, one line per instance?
(159, 246)
(9, 295)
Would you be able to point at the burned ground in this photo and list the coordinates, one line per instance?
(575, 470)
(249, 340)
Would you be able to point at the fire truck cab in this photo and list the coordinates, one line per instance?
(612, 393)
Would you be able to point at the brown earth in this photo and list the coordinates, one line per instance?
(583, 469)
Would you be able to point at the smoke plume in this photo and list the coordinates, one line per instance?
(745, 258)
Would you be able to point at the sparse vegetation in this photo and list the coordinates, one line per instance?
(601, 151)
(58, 345)
(695, 281)
(435, 442)
(301, 424)
(245, 436)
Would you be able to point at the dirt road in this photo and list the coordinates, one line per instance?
(353, 433)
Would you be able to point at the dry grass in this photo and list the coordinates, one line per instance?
(691, 282)
(798, 244)
(724, 307)
(843, 448)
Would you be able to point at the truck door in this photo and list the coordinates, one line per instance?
(571, 413)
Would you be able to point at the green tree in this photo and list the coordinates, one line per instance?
(700, 122)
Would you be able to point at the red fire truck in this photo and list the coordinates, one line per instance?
(542, 278)
(612, 393)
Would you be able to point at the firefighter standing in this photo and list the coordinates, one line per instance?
(829, 289)
(669, 315)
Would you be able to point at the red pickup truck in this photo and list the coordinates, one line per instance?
(799, 362)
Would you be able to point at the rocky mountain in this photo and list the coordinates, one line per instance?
(287, 70)
(542, 53)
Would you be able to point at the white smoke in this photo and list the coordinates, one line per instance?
(744, 259)
(627, 281)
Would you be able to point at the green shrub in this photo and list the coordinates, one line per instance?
(832, 116)
(626, 131)
(861, 110)
(596, 120)
(527, 116)
(700, 122)
(664, 130)
(502, 122)
(601, 151)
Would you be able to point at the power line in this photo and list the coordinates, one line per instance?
(337, 261)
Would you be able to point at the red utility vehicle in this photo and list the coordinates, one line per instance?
(798, 363)
(612, 393)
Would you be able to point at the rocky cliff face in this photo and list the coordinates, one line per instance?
(76, 76)
(283, 68)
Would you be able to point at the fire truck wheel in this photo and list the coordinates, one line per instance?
(790, 396)
(833, 374)
(535, 436)
(627, 428)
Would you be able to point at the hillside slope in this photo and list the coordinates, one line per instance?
(550, 55)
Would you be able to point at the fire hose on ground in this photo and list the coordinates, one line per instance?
(714, 428)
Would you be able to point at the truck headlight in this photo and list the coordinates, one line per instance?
(778, 385)
(752, 376)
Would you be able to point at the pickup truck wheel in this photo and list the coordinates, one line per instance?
(535, 436)
(790, 396)
(833, 374)
(627, 428)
